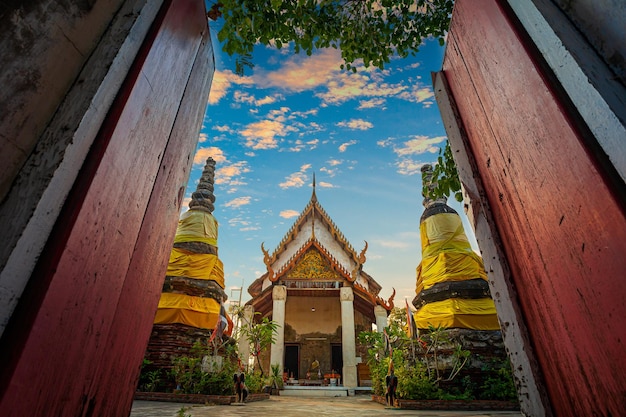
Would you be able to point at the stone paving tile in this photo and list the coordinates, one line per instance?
(357, 406)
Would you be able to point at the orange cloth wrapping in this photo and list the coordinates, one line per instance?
(477, 314)
(185, 309)
(184, 263)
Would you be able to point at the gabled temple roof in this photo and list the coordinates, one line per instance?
(341, 263)
(311, 209)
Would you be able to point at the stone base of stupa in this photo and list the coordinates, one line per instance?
(486, 348)
(172, 340)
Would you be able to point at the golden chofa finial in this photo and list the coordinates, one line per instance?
(362, 257)
(267, 260)
(360, 261)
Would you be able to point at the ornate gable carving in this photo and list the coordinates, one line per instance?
(313, 266)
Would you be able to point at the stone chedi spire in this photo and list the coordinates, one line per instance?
(191, 303)
(194, 285)
(452, 290)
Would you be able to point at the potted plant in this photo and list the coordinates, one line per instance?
(276, 380)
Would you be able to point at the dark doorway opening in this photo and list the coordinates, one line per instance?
(336, 358)
(292, 360)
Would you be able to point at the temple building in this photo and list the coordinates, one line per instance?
(317, 292)
(191, 306)
(452, 290)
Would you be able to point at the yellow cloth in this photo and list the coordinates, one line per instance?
(197, 226)
(439, 229)
(198, 312)
(184, 263)
(477, 314)
(446, 253)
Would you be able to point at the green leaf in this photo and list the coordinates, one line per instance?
(373, 31)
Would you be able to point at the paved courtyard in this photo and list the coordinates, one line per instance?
(276, 406)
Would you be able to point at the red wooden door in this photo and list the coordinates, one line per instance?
(80, 331)
(563, 231)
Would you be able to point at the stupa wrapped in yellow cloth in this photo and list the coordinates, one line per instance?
(452, 288)
(194, 261)
(446, 253)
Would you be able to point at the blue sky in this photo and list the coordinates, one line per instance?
(364, 135)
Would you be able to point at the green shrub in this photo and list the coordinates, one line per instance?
(414, 383)
(190, 379)
(149, 380)
(255, 382)
(499, 385)
(420, 369)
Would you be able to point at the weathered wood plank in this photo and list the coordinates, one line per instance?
(563, 232)
(61, 341)
(527, 374)
(135, 311)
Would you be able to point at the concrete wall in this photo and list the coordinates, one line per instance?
(602, 24)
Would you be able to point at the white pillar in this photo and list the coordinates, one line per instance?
(244, 344)
(381, 318)
(277, 352)
(348, 338)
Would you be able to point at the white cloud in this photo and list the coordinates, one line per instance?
(300, 74)
(264, 134)
(287, 214)
(223, 128)
(238, 202)
(417, 94)
(231, 174)
(384, 143)
(356, 124)
(344, 146)
(299, 145)
(202, 154)
(408, 166)
(249, 228)
(419, 145)
(247, 98)
(296, 179)
(393, 244)
(371, 104)
(222, 81)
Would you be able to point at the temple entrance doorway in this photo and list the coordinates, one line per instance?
(292, 360)
(336, 358)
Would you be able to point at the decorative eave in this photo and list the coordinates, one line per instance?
(262, 303)
(375, 299)
(373, 286)
(257, 286)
